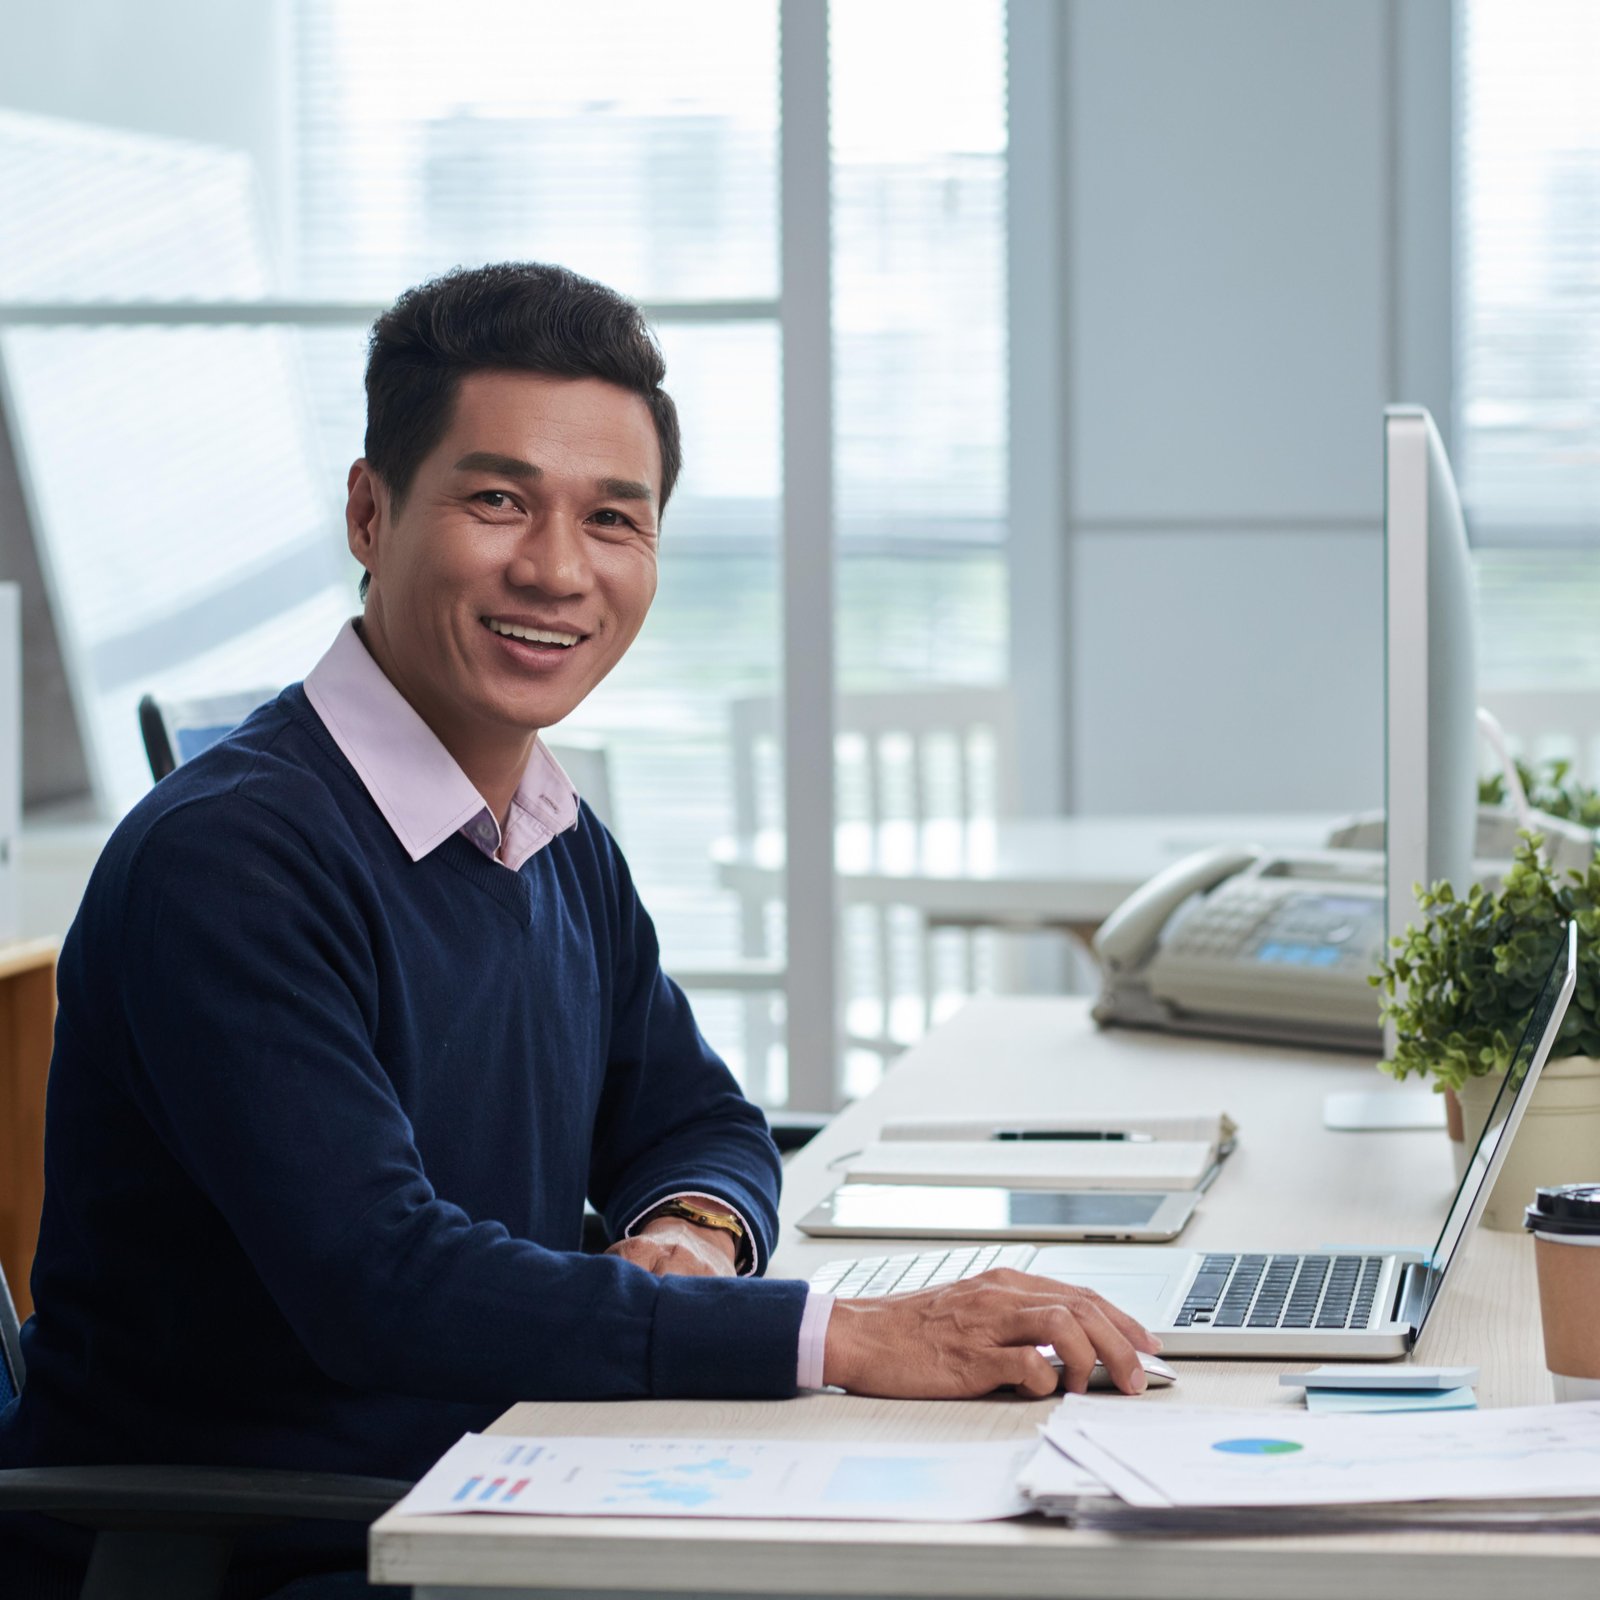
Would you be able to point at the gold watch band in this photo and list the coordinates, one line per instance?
(702, 1217)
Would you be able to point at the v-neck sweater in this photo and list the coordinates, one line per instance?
(321, 1121)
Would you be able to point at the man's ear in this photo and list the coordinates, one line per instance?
(366, 508)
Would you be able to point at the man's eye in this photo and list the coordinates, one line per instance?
(495, 499)
(612, 519)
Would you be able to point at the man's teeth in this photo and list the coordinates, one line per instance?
(532, 635)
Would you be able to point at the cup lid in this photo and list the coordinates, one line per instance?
(1566, 1208)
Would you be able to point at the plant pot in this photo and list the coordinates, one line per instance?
(1558, 1142)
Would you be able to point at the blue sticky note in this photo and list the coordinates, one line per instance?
(1342, 1400)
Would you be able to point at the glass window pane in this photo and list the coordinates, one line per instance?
(1529, 340)
(103, 214)
(919, 274)
(919, 151)
(186, 527)
(633, 140)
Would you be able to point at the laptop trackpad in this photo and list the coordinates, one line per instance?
(1141, 1282)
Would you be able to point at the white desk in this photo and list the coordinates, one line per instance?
(1059, 870)
(1289, 1184)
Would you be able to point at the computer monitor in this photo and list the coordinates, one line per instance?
(1431, 676)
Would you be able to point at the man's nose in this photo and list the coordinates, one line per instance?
(553, 556)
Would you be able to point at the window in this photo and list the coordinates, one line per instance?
(1530, 268)
(1528, 345)
(634, 140)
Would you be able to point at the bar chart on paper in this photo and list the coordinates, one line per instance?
(500, 1485)
(722, 1478)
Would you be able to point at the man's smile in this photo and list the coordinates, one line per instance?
(531, 633)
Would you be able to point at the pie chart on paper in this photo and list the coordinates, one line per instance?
(1258, 1447)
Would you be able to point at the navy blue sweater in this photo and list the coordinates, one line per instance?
(320, 1126)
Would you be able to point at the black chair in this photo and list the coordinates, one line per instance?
(163, 1532)
(175, 731)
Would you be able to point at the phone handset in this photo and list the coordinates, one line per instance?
(1126, 938)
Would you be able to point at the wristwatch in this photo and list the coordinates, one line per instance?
(701, 1217)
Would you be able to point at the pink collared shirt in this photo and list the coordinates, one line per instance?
(413, 780)
(425, 797)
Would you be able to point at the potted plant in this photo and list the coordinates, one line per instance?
(1460, 985)
(1551, 789)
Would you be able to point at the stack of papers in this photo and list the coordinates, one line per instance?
(1036, 1164)
(1209, 1127)
(1192, 1470)
(1030, 1151)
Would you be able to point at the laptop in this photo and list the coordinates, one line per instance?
(1293, 1305)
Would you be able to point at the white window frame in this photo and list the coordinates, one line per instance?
(807, 533)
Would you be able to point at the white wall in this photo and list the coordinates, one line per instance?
(1252, 258)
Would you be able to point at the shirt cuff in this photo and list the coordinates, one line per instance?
(813, 1339)
(752, 1268)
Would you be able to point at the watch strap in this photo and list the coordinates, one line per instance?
(705, 1217)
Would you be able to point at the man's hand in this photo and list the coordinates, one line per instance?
(966, 1338)
(671, 1245)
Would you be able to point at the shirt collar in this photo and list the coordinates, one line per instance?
(413, 780)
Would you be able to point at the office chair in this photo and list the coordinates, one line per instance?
(175, 731)
(168, 1532)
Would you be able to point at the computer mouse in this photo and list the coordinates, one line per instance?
(1157, 1374)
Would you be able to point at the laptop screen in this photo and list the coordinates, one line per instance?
(1537, 1037)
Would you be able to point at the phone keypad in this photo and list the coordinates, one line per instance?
(1270, 927)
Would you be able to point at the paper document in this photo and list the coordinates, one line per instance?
(1035, 1164)
(1162, 1457)
(855, 1482)
(1055, 1485)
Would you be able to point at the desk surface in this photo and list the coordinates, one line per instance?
(1062, 869)
(1289, 1184)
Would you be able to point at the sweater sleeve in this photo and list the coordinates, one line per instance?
(672, 1119)
(249, 989)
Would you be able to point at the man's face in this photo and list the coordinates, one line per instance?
(523, 560)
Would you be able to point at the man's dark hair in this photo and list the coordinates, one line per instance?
(514, 316)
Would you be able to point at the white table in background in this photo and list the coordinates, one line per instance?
(1071, 871)
(1291, 1183)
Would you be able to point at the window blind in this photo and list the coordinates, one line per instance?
(1529, 269)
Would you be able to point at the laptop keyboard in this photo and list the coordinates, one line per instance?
(1246, 1291)
(869, 1276)
(1281, 1292)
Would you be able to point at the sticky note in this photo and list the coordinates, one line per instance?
(1333, 1400)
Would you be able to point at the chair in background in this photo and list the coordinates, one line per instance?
(175, 731)
(904, 756)
(164, 1530)
(1544, 724)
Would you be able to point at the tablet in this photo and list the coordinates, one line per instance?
(969, 1211)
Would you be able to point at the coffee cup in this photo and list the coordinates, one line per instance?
(1565, 1224)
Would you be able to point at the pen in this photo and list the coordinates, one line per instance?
(1063, 1134)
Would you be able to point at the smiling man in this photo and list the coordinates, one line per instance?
(361, 1005)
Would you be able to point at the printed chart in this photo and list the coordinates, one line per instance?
(1287, 1458)
(723, 1478)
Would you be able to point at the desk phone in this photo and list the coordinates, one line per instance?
(1247, 945)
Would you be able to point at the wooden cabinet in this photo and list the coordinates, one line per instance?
(27, 1025)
